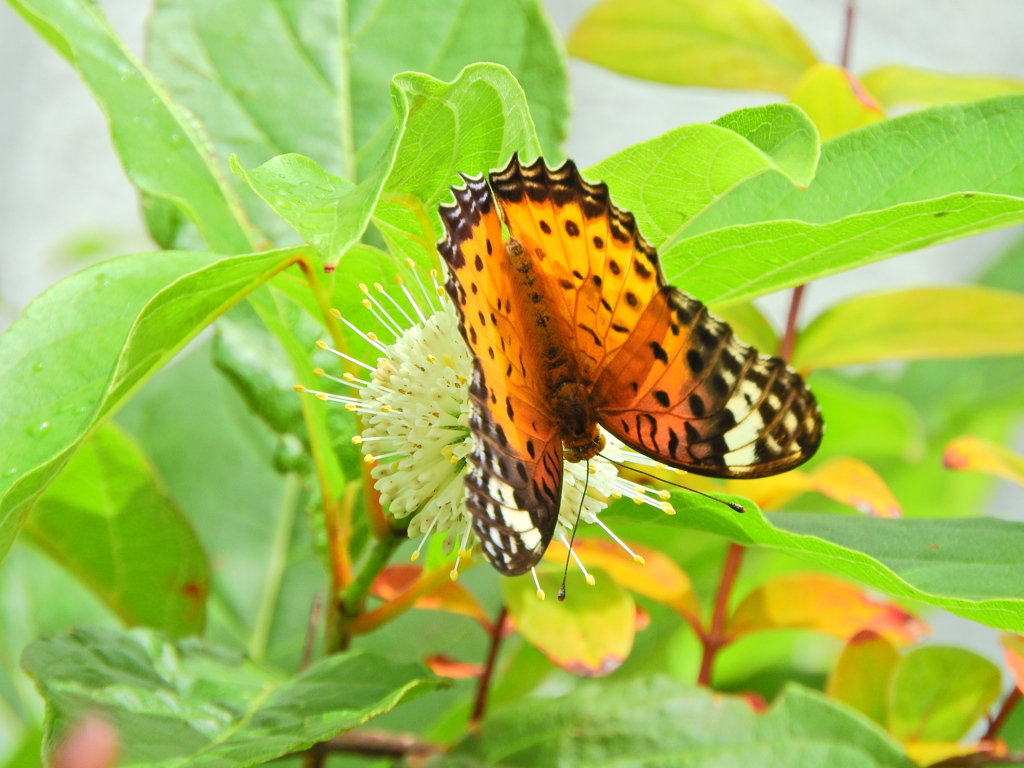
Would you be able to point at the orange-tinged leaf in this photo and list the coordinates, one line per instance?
(1013, 649)
(851, 481)
(449, 596)
(862, 673)
(898, 85)
(445, 666)
(743, 44)
(820, 603)
(976, 454)
(931, 752)
(846, 480)
(914, 324)
(659, 578)
(590, 633)
(834, 100)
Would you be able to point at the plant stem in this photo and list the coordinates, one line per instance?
(715, 638)
(997, 722)
(844, 56)
(350, 605)
(374, 744)
(483, 687)
(789, 336)
(275, 568)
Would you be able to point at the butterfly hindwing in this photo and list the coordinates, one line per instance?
(515, 467)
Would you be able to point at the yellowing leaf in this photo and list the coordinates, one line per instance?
(659, 578)
(445, 666)
(976, 454)
(862, 673)
(820, 603)
(835, 100)
(449, 596)
(846, 480)
(590, 633)
(931, 752)
(750, 325)
(938, 693)
(1013, 648)
(946, 322)
(744, 44)
(898, 85)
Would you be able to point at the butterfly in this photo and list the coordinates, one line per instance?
(572, 326)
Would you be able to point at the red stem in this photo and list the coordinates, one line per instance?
(844, 57)
(715, 638)
(483, 687)
(789, 337)
(999, 720)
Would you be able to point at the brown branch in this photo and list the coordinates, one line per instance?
(979, 760)
(483, 687)
(715, 639)
(844, 56)
(369, 744)
(997, 722)
(789, 337)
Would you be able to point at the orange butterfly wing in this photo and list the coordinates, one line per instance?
(668, 378)
(514, 483)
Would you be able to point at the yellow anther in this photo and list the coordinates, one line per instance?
(348, 376)
(357, 439)
(351, 407)
(591, 580)
(318, 371)
(335, 313)
(322, 396)
(639, 560)
(366, 303)
(410, 264)
(540, 594)
(371, 335)
(322, 345)
(299, 388)
(440, 291)
(363, 288)
(454, 575)
(639, 499)
(668, 509)
(415, 556)
(431, 359)
(369, 458)
(379, 287)
(385, 409)
(665, 495)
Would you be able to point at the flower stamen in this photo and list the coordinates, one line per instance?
(328, 348)
(536, 583)
(589, 577)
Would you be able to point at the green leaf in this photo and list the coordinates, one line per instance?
(126, 318)
(898, 85)
(937, 693)
(745, 44)
(658, 722)
(970, 567)
(751, 326)
(668, 181)
(885, 189)
(218, 461)
(862, 675)
(834, 100)
(952, 321)
(589, 634)
(164, 152)
(27, 753)
(469, 125)
(108, 521)
(197, 705)
(326, 95)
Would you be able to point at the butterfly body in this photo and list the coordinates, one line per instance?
(572, 326)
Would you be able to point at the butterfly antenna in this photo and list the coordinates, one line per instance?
(731, 504)
(572, 539)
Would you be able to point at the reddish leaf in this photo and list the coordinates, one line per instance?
(821, 603)
(590, 633)
(444, 666)
(1013, 649)
(835, 100)
(449, 596)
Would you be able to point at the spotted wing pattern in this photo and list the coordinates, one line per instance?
(514, 480)
(668, 378)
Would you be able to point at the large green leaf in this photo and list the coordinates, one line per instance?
(743, 44)
(164, 152)
(469, 125)
(326, 95)
(108, 520)
(199, 706)
(87, 343)
(659, 722)
(670, 179)
(968, 566)
(885, 189)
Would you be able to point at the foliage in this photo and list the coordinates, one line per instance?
(218, 503)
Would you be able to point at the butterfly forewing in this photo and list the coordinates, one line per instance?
(515, 474)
